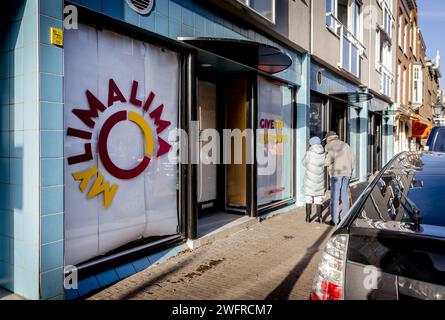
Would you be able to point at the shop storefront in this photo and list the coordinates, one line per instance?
(340, 106)
(132, 165)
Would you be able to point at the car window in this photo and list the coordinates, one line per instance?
(439, 141)
(423, 185)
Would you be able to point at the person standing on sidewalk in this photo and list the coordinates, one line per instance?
(340, 162)
(314, 180)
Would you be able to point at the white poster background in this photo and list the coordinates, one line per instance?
(145, 206)
(275, 103)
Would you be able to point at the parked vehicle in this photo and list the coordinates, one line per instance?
(391, 246)
(436, 140)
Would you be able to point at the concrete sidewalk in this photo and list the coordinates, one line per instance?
(274, 259)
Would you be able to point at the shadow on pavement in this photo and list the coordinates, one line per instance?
(283, 290)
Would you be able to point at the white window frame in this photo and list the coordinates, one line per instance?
(274, 17)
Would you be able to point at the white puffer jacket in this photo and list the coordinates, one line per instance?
(314, 161)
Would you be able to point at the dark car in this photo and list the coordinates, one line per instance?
(391, 246)
(436, 140)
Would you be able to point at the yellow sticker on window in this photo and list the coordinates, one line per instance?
(56, 36)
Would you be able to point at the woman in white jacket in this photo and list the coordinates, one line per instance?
(314, 177)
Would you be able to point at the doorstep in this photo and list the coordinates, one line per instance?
(241, 224)
(226, 230)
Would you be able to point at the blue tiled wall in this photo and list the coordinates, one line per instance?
(175, 18)
(19, 149)
(51, 153)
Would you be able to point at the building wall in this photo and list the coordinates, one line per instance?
(19, 149)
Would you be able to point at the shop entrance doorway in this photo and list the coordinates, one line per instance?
(222, 186)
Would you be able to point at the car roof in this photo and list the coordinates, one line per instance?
(420, 162)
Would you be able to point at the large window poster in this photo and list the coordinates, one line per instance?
(121, 102)
(274, 143)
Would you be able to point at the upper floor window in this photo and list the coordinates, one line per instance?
(347, 13)
(265, 8)
(387, 22)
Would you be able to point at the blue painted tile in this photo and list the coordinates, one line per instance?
(5, 223)
(30, 8)
(24, 199)
(148, 21)
(174, 30)
(4, 144)
(16, 171)
(51, 116)
(51, 256)
(30, 82)
(16, 35)
(52, 8)
(93, 4)
(4, 91)
(31, 160)
(51, 200)
(16, 117)
(200, 23)
(4, 65)
(188, 17)
(45, 26)
(52, 283)
(16, 89)
(125, 271)
(130, 15)
(187, 31)
(161, 6)
(31, 116)
(52, 228)
(24, 255)
(4, 249)
(31, 227)
(71, 294)
(209, 27)
(113, 8)
(51, 88)
(30, 30)
(5, 275)
(162, 256)
(107, 277)
(141, 264)
(4, 196)
(26, 283)
(51, 144)
(175, 10)
(4, 118)
(18, 230)
(51, 60)
(87, 285)
(16, 144)
(161, 24)
(4, 170)
(51, 172)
